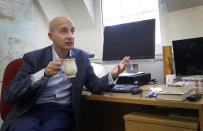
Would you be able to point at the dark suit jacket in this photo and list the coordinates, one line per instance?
(20, 93)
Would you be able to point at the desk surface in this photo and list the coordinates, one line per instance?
(137, 99)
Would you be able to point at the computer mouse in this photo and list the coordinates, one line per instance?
(136, 91)
(194, 97)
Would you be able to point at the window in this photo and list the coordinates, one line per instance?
(124, 11)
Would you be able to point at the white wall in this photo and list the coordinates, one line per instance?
(91, 39)
(186, 23)
(41, 27)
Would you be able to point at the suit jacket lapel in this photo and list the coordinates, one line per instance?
(47, 57)
(74, 80)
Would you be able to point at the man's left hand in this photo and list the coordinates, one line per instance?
(118, 69)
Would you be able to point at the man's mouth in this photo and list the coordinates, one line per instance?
(69, 43)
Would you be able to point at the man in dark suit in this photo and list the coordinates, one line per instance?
(44, 97)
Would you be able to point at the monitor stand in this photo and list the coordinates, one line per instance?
(132, 68)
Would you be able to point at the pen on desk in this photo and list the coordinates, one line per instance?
(151, 94)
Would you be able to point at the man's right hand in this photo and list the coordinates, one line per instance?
(53, 68)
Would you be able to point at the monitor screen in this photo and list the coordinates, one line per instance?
(136, 39)
(188, 55)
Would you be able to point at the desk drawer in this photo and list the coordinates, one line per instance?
(153, 122)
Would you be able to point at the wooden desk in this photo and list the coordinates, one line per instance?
(130, 100)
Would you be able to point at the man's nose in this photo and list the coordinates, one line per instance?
(69, 35)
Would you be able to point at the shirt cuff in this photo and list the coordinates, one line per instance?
(37, 76)
(111, 81)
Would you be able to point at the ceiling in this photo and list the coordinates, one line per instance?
(80, 11)
(173, 5)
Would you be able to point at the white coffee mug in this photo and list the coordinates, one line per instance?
(170, 79)
(70, 67)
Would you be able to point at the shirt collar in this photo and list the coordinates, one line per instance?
(55, 55)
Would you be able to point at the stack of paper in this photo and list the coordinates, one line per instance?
(179, 91)
(178, 87)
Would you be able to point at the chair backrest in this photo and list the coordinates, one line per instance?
(9, 74)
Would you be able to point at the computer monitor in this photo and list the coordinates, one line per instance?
(188, 55)
(136, 39)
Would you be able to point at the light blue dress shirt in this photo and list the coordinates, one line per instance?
(58, 88)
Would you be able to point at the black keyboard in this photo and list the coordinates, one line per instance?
(127, 88)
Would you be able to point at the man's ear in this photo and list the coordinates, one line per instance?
(50, 35)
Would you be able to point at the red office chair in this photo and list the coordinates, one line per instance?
(9, 74)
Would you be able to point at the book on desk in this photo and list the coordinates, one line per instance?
(179, 87)
(174, 96)
(178, 91)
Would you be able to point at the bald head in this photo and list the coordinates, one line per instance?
(61, 32)
(56, 22)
